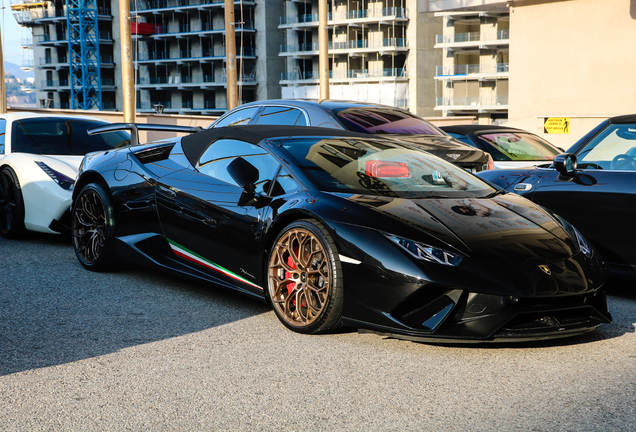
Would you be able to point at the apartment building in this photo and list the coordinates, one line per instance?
(473, 77)
(181, 53)
(72, 52)
(379, 51)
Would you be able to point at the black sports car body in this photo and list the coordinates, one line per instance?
(592, 186)
(338, 228)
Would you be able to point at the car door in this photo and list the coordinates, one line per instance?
(600, 199)
(203, 222)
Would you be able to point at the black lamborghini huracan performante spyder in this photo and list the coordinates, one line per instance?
(338, 228)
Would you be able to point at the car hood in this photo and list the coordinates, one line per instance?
(506, 227)
(442, 146)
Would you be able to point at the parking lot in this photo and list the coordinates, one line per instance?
(140, 350)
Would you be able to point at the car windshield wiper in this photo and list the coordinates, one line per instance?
(495, 193)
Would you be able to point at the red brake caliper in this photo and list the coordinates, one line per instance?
(288, 275)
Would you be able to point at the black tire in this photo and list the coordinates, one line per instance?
(304, 279)
(93, 228)
(11, 205)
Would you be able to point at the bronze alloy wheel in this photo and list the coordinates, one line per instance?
(93, 228)
(89, 225)
(303, 287)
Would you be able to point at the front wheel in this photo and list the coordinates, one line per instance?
(11, 205)
(305, 284)
(93, 227)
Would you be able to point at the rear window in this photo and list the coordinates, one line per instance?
(62, 136)
(385, 121)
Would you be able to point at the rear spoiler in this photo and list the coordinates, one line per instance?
(134, 129)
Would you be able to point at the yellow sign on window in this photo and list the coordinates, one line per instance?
(556, 125)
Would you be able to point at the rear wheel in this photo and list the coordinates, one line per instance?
(11, 205)
(305, 279)
(93, 228)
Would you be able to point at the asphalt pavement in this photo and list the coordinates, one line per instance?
(143, 351)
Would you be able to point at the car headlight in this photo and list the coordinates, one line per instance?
(575, 235)
(62, 180)
(426, 252)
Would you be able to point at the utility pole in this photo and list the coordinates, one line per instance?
(323, 49)
(230, 56)
(3, 87)
(127, 75)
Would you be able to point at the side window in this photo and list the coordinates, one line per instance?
(284, 184)
(240, 117)
(3, 130)
(283, 116)
(462, 138)
(220, 153)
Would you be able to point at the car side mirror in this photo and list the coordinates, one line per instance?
(245, 175)
(565, 164)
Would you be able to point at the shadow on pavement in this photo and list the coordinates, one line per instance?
(53, 311)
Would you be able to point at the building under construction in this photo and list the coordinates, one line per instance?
(380, 51)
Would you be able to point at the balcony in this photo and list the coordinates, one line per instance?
(184, 82)
(472, 71)
(195, 55)
(388, 74)
(462, 41)
(53, 85)
(159, 31)
(211, 106)
(349, 47)
(153, 6)
(382, 16)
(465, 103)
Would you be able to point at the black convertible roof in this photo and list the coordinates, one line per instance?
(195, 144)
(466, 129)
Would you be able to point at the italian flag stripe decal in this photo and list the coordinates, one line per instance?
(198, 259)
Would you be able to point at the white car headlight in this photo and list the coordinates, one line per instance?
(62, 180)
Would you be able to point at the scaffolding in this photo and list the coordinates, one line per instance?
(84, 59)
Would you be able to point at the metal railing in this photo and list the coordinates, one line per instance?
(470, 69)
(500, 35)
(471, 102)
(195, 54)
(53, 83)
(350, 74)
(347, 45)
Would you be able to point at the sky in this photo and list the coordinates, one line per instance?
(12, 35)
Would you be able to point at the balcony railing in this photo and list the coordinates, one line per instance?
(350, 74)
(397, 12)
(501, 35)
(195, 54)
(53, 83)
(348, 45)
(471, 102)
(470, 69)
(198, 27)
(166, 4)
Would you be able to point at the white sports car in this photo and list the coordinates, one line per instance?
(39, 158)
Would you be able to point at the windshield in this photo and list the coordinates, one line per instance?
(380, 167)
(614, 149)
(385, 121)
(62, 136)
(518, 146)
